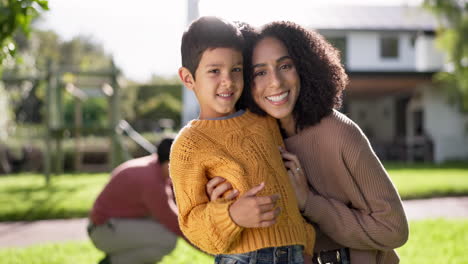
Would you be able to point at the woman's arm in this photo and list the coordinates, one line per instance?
(375, 218)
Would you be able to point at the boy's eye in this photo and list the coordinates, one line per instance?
(259, 73)
(214, 71)
(237, 69)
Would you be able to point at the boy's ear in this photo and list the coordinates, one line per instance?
(186, 77)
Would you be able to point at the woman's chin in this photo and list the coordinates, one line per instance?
(280, 113)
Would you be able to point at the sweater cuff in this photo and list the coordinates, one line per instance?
(222, 220)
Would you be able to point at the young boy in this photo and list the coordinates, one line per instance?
(238, 146)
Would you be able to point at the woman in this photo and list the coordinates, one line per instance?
(295, 76)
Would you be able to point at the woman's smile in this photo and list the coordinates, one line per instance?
(278, 99)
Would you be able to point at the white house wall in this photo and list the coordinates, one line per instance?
(364, 52)
(446, 125)
(428, 57)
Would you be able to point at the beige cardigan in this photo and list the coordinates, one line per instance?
(351, 200)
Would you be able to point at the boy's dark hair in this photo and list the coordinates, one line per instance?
(251, 36)
(208, 33)
(318, 65)
(164, 148)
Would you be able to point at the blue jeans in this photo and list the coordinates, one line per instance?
(272, 255)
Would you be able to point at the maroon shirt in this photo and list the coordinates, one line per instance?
(137, 190)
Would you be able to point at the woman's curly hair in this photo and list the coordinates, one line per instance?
(322, 76)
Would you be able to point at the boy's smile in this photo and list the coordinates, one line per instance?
(218, 82)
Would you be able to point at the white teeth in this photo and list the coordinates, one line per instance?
(225, 95)
(278, 98)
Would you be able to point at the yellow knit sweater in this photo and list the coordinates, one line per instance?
(244, 150)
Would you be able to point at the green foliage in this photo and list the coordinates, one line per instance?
(95, 112)
(154, 102)
(452, 37)
(80, 53)
(84, 53)
(16, 15)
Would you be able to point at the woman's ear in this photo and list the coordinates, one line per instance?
(187, 78)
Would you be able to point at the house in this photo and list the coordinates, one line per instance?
(390, 56)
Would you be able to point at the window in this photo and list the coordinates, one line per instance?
(340, 44)
(389, 47)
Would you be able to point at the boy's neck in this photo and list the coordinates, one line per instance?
(205, 116)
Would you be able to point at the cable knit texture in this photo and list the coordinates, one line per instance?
(243, 150)
(352, 198)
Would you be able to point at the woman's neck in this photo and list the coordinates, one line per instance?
(289, 125)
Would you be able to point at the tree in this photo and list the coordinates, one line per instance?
(15, 15)
(81, 52)
(452, 37)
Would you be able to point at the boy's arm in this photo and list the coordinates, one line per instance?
(206, 224)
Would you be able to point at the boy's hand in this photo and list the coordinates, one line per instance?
(297, 177)
(218, 187)
(252, 211)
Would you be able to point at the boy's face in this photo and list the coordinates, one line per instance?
(218, 81)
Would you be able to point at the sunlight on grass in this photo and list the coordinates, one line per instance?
(25, 196)
(431, 242)
(65, 253)
(436, 241)
(429, 182)
(85, 252)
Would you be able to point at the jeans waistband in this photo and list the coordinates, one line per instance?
(284, 254)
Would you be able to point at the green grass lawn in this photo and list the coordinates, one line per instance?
(25, 196)
(424, 181)
(436, 241)
(431, 242)
(85, 252)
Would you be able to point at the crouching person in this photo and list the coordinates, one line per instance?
(134, 219)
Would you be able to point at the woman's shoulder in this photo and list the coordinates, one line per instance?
(337, 121)
(337, 125)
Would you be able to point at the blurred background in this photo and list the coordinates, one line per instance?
(86, 85)
(77, 76)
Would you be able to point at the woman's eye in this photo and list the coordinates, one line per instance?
(285, 66)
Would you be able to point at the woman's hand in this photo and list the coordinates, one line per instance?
(218, 187)
(297, 177)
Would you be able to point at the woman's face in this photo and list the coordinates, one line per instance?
(276, 83)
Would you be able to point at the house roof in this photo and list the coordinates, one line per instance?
(392, 18)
